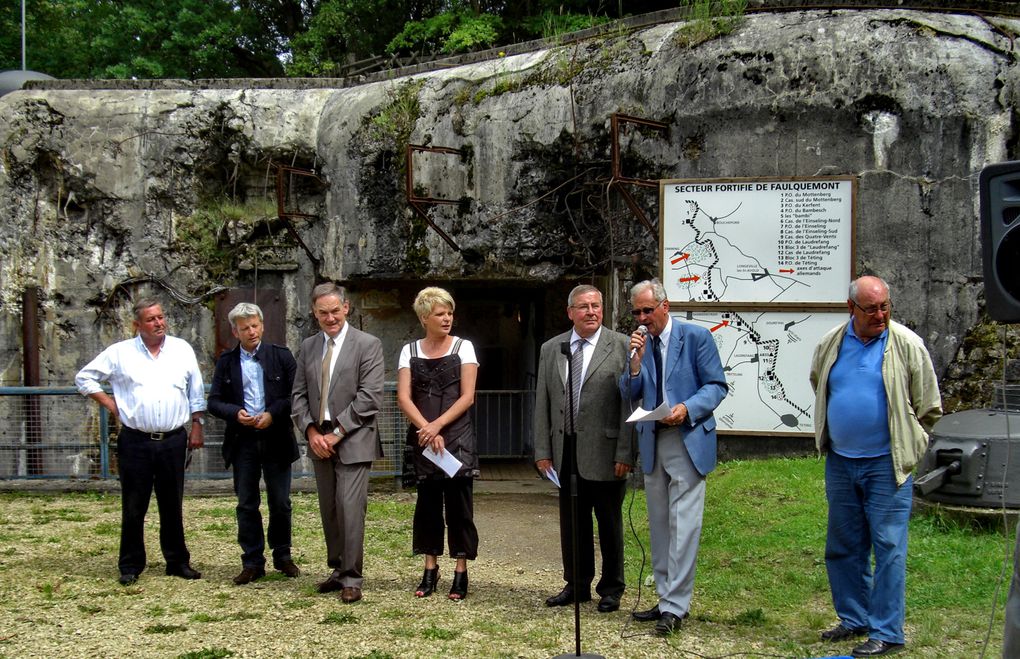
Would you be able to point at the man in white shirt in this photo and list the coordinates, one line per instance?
(159, 398)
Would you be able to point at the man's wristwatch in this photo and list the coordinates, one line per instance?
(200, 420)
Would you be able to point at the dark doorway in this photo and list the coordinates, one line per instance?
(274, 310)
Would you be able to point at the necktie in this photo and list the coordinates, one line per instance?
(576, 366)
(324, 381)
(657, 357)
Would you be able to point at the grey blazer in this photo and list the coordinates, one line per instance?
(603, 436)
(355, 393)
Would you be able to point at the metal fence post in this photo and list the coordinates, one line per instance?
(104, 443)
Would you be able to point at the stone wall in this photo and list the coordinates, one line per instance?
(106, 191)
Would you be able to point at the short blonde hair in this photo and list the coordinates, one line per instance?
(428, 298)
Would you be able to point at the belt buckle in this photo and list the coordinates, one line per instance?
(157, 436)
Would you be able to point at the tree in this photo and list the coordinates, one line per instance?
(142, 39)
(257, 38)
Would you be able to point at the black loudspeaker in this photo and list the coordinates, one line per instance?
(999, 189)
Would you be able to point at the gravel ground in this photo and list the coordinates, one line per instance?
(61, 599)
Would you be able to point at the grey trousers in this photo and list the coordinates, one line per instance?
(343, 502)
(676, 500)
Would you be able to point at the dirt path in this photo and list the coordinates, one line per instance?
(520, 528)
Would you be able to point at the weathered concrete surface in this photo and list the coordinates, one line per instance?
(95, 185)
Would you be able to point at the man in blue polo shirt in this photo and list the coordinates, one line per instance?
(876, 400)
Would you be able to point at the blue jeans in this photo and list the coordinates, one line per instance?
(867, 512)
(248, 469)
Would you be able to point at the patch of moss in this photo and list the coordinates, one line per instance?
(201, 233)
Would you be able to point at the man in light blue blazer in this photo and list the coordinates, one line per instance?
(681, 367)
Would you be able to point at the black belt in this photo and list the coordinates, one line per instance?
(155, 436)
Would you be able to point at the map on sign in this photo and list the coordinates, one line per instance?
(766, 356)
(757, 241)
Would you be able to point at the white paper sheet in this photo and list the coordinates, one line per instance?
(553, 476)
(659, 413)
(447, 462)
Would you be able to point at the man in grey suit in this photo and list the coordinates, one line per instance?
(681, 368)
(605, 446)
(341, 429)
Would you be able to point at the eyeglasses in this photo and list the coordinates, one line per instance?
(644, 311)
(885, 307)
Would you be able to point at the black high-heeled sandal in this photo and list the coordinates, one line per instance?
(428, 582)
(458, 590)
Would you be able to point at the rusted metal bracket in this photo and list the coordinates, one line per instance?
(419, 204)
(282, 172)
(618, 180)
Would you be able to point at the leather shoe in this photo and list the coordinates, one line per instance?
(349, 595)
(184, 571)
(331, 583)
(876, 648)
(288, 569)
(248, 575)
(647, 616)
(668, 624)
(609, 603)
(841, 632)
(127, 579)
(566, 597)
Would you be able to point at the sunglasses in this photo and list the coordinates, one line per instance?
(643, 310)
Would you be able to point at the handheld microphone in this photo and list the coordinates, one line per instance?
(644, 332)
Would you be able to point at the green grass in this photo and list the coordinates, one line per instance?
(761, 569)
(207, 653)
(761, 583)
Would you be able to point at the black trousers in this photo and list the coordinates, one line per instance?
(456, 496)
(249, 468)
(605, 500)
(147, 464)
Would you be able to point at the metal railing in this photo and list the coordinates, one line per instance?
(56, 433)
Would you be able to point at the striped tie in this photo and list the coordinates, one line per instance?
(324, 381)
(576, 366)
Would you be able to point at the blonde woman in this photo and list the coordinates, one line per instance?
(436, 379)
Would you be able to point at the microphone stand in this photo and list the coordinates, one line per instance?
(570, 448)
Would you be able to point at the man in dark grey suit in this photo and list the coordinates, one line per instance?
(605, 446)
(341, 429)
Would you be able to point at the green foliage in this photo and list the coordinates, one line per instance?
(550, 24)
(455, 31)
(345, 30)
(200, 234)
(708, 19)
(395, 121)
(141, 39)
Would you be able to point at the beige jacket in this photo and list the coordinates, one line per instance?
(911, 389)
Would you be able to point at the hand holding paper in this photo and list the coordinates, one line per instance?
(445, 461)
(658, 414)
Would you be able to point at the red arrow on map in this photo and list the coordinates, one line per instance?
(789, 270)
(679, 258)
(692, 278)
(720, 325)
